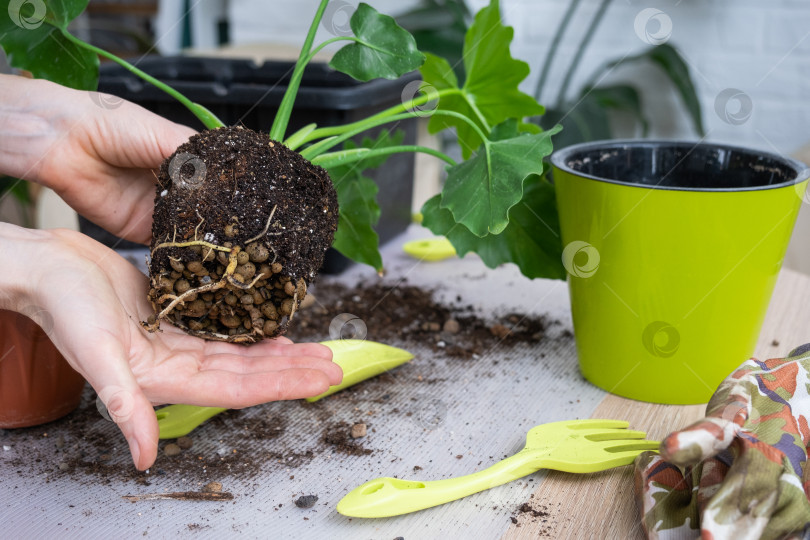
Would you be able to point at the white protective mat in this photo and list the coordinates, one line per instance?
(424, 414)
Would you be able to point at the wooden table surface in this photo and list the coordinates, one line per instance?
(607, 498)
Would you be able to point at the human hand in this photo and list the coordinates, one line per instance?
(741, 472)
(96, 151)
(97, 300)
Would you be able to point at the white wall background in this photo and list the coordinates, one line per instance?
(759, 48)
(758, 52)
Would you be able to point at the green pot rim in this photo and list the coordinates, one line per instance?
(561, 157)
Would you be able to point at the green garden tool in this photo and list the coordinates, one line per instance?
(430, 249)
(359, 360)
(578, 446)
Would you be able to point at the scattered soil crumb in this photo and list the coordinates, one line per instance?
(306, 501)
(339, 436)
(404, 314)
(537, 515)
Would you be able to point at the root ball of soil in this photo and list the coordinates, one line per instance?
(241, 225)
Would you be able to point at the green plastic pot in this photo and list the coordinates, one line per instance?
(673, 250)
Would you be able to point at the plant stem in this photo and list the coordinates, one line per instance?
(285, 109)
(204, 115)
(586, 39)
(551, 54)
(345, 157)
(323, 132)
(321, 146)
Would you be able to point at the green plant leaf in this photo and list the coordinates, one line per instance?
(490, 93)
(531, 240)
(16, 187)
(674, 67)
(33, 41)
(355, 236)
(439, 28)
(383, 48)
(620, 97)
(480, 191)
(588, 121)
(357, 199)
(670, 61)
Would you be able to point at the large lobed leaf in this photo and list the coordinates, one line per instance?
(531, 240)
(382, 49)
(490, 93)
(355, 237)
(480, 192)
(33, 41)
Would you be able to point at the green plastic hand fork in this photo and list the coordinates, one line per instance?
(578, 446)
(359, 360)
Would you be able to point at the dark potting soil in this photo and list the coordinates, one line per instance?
(241, 225)
(244, 444)
(406, 313)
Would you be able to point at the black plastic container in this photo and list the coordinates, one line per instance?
(241, 92)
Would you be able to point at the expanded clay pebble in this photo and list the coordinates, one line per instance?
(185, 443)
(220, 252)
(212, 487)
(358, 430)
(451, 326)
(171, 450)
(306, 501)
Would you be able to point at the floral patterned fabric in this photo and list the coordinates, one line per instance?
(742, 471)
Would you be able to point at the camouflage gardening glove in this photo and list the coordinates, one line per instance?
(741, 471)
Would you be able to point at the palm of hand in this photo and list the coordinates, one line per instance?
(98, 300)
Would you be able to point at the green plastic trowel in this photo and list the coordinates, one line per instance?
(359, 360)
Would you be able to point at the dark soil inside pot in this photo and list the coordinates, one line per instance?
(241, 225)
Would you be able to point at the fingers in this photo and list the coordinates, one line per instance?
(278, 345)
(136, 419)
(216, 388)
(277, 362)
(136, 137)
(102, 360)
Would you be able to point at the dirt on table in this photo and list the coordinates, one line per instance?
(408, 314)
(244, 444)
